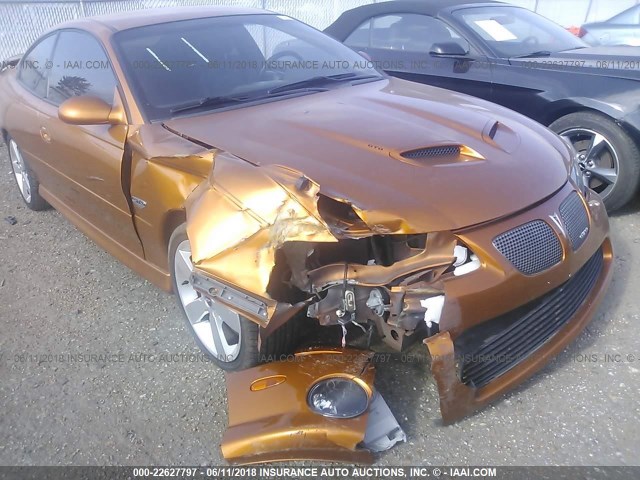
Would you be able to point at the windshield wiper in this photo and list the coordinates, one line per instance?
(224, 101)
(311, 85)
(322, 80)
(208, 102)
(541, 53)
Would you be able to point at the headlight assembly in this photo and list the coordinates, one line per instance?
(338, 397)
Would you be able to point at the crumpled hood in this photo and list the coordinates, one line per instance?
(350, 141)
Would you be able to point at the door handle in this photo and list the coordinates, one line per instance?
(45, 135)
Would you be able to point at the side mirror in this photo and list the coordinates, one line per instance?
(448, 49)
(86, 110)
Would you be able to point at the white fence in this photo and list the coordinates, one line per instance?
(22, 21)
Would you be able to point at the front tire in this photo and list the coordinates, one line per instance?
(25, 178)
(227, 338)
(608, 156)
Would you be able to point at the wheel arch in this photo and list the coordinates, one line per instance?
(172, 220)
(562, 108)
(622, 135)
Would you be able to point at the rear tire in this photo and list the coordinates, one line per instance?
(607, 153)
(26, 180)
(236, 336)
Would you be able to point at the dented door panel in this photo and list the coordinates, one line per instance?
(165, 169)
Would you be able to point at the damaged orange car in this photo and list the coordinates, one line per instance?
(265, 173)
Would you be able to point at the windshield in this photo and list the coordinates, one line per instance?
(516, 32)
(217, 62)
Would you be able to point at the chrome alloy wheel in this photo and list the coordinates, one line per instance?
(217, 327)
(597, 158)
(20, 171)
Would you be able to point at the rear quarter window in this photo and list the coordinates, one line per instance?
(35, 65)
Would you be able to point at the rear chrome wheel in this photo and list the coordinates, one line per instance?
(217, 327)
(20, 171)
(25, 178)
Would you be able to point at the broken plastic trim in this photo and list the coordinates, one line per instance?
(244, 304)
(383, 430)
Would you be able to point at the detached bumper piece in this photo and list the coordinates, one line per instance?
(314, 405)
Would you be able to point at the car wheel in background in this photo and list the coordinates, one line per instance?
(25, 178)
(607, 155)
(227, 338)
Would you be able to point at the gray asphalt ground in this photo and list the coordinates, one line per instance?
(62, 295)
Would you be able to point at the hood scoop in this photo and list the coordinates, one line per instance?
(433, 152)
(438, 155)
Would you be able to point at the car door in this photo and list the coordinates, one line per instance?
(526, 85)
(88, 159)
(23, 117)
(400, 44)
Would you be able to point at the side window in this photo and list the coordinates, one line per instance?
(80, 67)
(410, 32)
(34, 66)
(360, 37)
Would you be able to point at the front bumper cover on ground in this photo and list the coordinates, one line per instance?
(270, 420)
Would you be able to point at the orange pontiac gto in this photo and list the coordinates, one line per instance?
(263, 172)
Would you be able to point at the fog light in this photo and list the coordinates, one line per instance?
(338, 397)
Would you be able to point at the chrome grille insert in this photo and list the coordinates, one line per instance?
(575, 218)
(531, 248)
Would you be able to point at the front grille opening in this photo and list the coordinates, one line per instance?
(433, 152)
(493, 348)
(531, 248)
(576, 220)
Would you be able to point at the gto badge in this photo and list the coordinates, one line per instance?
(584, 233)
(138, 202)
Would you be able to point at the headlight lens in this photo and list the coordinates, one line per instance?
(576, 174)
(338, 398)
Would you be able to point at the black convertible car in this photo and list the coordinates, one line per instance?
(514, 57)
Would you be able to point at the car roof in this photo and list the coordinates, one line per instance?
(354, 17)
(140, 18)
(427, 7)
(624, 12)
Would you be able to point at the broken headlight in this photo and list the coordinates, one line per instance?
(338, 397)
(575, 172)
